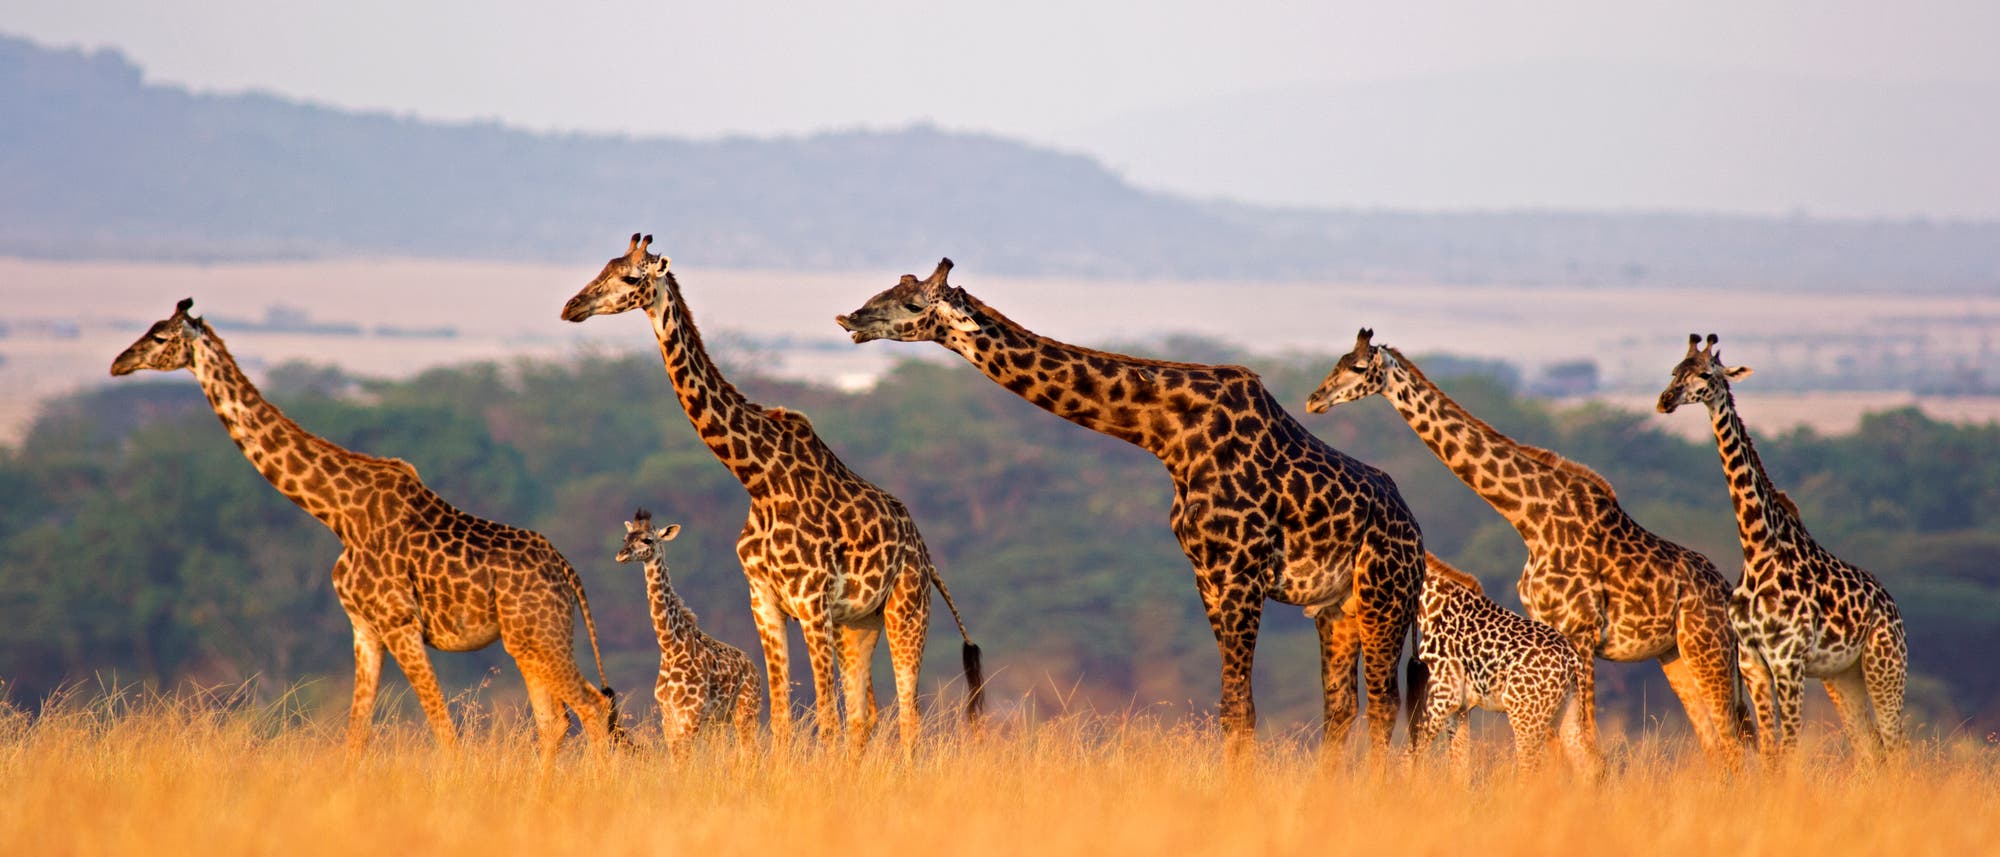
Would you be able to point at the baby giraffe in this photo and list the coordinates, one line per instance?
(702, 679)
(1473, 652)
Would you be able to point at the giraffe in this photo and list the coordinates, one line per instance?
(1613, 588)
(1474, 653)
(702, 679)
(1800, 611)
(822, 545)
(1262, 508)
(414, 571)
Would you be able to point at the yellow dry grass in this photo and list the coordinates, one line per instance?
(130, 773)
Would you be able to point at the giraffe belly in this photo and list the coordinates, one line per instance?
(461, 636)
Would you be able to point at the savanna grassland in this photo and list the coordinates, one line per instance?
(125, 772)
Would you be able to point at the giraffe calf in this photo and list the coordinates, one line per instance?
(1475, 653)
(702, 679)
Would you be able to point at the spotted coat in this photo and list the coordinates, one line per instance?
(822, 545)
(1474, 653)
(1800, 611)
(702, 680)
(414, 571)
(1263, 509)
(1612, 587)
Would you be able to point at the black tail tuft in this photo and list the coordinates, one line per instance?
(975, 684)
(619, 738)
(1418, 676)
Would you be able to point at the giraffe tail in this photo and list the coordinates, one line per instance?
(590, 628)
(975, 673)
(1418, 676)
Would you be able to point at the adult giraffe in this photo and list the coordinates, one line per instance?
(414, 570)
(1801, 611)
(1612, 587)
(822, 545)
(1262, 507)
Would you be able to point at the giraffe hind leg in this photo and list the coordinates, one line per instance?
(1885, 665)
(1849, 692)
(1386, 580)
(1339, 655)
(907, 617)
(857, 653)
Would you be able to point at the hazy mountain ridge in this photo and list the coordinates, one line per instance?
(96, 163)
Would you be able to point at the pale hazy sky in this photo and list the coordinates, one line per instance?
(1048, 71)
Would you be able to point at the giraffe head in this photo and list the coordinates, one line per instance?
(1357, 375)
(1700, 377)
(642, 542)
(912, 310)
(167, 345)
(630, 281)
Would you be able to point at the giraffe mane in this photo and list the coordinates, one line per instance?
(1452, 575)
(1126, 359)
(1549, 458)
(285, 419)
(693, 334)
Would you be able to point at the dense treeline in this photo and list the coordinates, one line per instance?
(136, 542)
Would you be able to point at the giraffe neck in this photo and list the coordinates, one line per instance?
(672, 620)
(1140, 401)
(1477, 453)
(1763, 525)
(733, 427)
(300, 464)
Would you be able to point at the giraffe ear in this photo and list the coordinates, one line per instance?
(1738, 373)
(668, 532)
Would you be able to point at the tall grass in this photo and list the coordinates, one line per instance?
(123, 772)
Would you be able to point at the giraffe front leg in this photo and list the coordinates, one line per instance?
(777, 661)
(1234, 616)
(816, 623)
(857, 651)
(406, 644)
(746, 710)
(367, 679)
(1586, 642)
(1758, 685)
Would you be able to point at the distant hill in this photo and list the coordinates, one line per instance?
(95, 163)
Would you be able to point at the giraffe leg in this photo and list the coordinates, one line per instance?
(1885, 666)
(1681, 677)
(550, 724)
(1433, 715)
(777, 660)
(1530, 725)
(1586, 642)
(1707, 645)
(1460, 739)
(1583, 760)
(1234, 616)
(908, 619)
(1339, 654)
(817, 626)
(367, 678)
(746, 708)
(857, 654)
(1386, 578)
(1758, 685)
(1849, 692)
(1787, 692)
(406, 644)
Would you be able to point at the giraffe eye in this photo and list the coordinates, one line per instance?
(913, 307)
(630, 279)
